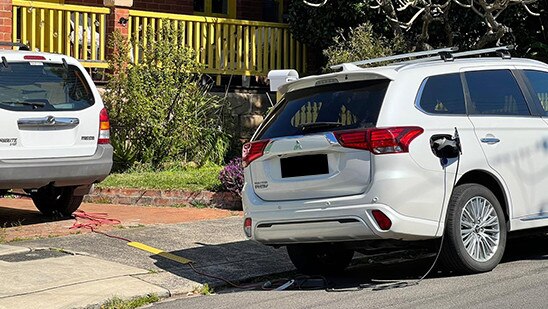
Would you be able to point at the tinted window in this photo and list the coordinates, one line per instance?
(43, 87)
(442, 94)
(539, 82)
(326, 108)
(495, 93)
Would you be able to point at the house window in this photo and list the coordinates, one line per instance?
(219, 7)
(199, 6)
(225, 8)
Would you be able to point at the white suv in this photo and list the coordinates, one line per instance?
(409, 151)
(54, 130)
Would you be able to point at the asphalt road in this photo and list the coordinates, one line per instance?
(520, 281)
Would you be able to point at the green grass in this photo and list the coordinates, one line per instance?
(118, 303)
(191, 179)
(204, 290)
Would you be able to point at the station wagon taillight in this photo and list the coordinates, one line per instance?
(252, 151)
(379, 140)
(104, 128)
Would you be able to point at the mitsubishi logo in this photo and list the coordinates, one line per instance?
(50, 120)
(298, 145)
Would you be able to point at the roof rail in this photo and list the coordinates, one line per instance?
(16, 44)
(502, 51)
(399, 57)
(442, 53)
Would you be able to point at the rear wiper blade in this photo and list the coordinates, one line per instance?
(319, 125)
(33, 104)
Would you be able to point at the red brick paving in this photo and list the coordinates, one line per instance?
(19, 219)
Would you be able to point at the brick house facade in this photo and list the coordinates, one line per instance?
(258, 10)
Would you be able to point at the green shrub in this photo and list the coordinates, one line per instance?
(159, 109)
(362, 43)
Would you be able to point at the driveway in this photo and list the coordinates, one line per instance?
(20, 220)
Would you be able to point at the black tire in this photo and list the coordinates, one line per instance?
(57, 201)
(454, 254)
(317, 259)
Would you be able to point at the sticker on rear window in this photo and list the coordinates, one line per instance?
(36, 63)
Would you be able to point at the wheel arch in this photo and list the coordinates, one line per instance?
(492, 183)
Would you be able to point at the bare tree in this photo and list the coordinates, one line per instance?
(402, 15)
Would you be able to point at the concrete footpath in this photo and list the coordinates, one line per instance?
(88, 269)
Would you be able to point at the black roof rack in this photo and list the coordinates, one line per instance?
(16, 44)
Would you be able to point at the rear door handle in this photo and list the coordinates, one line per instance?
(490, 140)
(48, 121)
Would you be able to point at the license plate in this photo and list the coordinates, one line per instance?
(304, 166)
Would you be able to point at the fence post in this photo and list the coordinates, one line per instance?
(118, 19)
(5, 22)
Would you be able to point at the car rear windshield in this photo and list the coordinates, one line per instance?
(38, 86)
(326, 108)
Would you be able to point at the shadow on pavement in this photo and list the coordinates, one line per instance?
(13, 217)
(235, 261)
(251, 264)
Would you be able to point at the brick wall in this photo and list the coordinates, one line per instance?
(85, 2)
(167, 6)
(5, 21)
(246, 9)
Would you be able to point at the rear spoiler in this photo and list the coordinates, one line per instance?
(333, 78)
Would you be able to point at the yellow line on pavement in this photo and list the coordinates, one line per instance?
(159, 252)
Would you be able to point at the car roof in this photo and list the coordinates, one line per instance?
(352, 72)
(18, 55)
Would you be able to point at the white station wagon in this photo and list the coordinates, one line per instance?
(54, 130)
(438, 146)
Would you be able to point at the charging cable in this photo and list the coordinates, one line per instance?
(403, 284)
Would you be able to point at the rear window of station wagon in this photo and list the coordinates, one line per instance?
(37, 86)
(332, 107)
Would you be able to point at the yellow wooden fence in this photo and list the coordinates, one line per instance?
(226, 46)
(73, 30)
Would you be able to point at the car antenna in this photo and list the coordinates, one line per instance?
(4, 62)
(65, 65)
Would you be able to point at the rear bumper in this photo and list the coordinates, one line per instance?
(299, 222)
(72, 171)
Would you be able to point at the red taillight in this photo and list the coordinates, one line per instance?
(252, 151)
(353, 139)
(379, 140)
(104, 128)
(382, 220)
(247, 226)
(34, 57)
